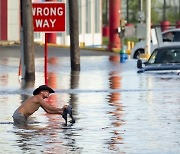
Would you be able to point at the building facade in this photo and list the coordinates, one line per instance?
(9, 20)
(90, 23)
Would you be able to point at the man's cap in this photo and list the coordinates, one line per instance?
(43, 87)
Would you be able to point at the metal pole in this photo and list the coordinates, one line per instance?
(127, 11)
(106, 22)
(22, 65)
(140, 5)
(148, 27)
(164, 11)
(179, 10)
(45, 60)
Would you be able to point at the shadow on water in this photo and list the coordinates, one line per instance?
(74, 83)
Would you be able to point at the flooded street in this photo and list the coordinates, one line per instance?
(116, 110)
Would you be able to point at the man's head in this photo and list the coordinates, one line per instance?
(43, 88)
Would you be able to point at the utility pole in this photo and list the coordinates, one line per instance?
(164, 11)
(148, 28)
(127, 11)
(140, 5)
(28, 41)
(179, 10)
(106, 21)
(74, 35)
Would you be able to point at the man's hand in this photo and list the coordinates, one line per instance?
(67, 109)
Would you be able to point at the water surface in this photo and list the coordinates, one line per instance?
(116, 109)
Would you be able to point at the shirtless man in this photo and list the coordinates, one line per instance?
(33, 103)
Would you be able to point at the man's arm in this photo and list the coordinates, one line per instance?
(50, 109)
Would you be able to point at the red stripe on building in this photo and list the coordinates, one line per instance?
(3, 18)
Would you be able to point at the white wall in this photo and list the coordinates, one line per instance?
(13, 20)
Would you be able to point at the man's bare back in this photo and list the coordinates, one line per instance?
(33, 103)
(30, 106)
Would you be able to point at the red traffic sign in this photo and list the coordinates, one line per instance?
(48, 17)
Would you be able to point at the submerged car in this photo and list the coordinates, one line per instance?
(164, 58)
(171, 35)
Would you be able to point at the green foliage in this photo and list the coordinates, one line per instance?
(156, 17)
(172, 16)
(172, 13)
(134, 6)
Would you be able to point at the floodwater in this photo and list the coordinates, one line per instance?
(116, 110)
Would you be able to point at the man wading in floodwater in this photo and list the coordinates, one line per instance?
(33, 103)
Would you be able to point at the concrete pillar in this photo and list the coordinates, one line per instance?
(114, 22)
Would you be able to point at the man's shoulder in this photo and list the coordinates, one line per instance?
(36, 98)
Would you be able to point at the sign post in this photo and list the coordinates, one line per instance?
(45, 61)
(48, 17)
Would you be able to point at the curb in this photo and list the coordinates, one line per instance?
(9, 43)
(84, 48)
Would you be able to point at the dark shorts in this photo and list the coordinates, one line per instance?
(19, 119)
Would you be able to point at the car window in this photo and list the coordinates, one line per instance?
(168, 37)
(171, 36)
(176, 55)
(161, 56)
(153, 57)
(165, 56)
(176, 37)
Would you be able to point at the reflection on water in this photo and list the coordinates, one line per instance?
(114, 100)
(116, 109)
(34, 140)
(73, 98)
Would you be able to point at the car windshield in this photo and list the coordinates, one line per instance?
(165, 55)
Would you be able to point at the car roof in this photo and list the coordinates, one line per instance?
(168, 45)
(171, 30)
